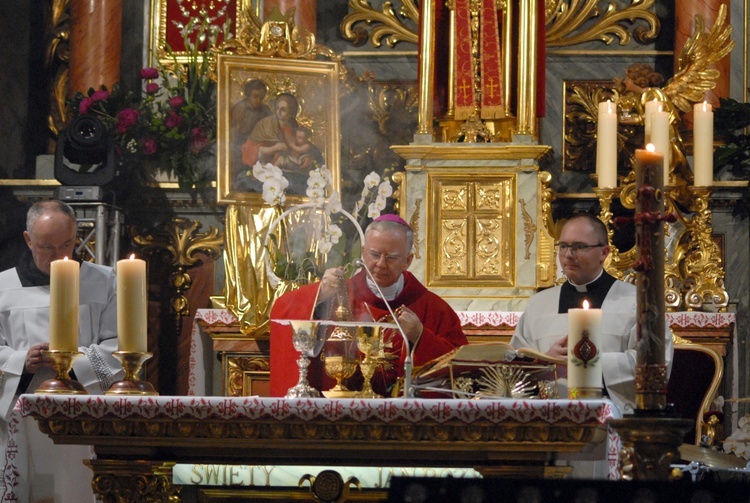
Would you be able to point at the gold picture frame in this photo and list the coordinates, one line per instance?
(168, 16)
(251, 131)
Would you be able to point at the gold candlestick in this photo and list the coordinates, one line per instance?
(132, 361)
(62, 361)
(704, 272)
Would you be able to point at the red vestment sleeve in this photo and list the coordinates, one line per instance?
(294, 305)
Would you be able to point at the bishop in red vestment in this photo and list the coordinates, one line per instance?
(429, 323)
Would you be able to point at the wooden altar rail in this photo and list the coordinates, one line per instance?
(138, 439)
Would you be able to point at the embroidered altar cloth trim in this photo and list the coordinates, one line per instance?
(309, 409)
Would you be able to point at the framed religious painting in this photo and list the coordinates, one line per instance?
(275, 111)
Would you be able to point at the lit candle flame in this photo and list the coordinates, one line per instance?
(585, 304)
(65, 258)
(132, 256)
(650, 147)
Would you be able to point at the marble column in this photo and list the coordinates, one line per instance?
(685, 12)
(95, 43)
(304, 16)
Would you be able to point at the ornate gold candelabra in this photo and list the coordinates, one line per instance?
(62, 361)
(693, 269)
(132, 361)
(704, 273)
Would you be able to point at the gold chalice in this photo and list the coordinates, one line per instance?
(369, 336)
(339, 367)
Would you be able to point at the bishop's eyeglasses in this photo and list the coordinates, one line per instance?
(574, 248)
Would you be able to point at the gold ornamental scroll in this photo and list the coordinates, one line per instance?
(248, 292)
(95, 43)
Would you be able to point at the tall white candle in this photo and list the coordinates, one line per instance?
(703, 144)
(584, 352)
(649, 108)
(661, 140)
(606, 145)
(131, 305)
(63, 305)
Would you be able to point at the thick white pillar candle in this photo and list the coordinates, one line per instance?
(63, 305)
(131, 305)
(661, 140)
(606, 145)
(584, 352)
(703, 144)
(649, 108)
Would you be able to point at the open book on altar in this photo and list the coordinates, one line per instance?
(489, 370)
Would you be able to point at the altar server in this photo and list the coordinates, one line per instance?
(582, 250)
(24, 333)
(430, 324)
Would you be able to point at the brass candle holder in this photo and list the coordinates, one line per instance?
(132, 361)
(62, 361)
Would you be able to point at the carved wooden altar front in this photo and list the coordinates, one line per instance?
(137, 440)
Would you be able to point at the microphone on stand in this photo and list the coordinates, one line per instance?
(408, 364)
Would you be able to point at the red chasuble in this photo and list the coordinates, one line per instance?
(442, 331)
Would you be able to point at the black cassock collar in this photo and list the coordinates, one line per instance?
(572, 296)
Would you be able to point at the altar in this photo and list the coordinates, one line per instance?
(140, 439)
(242, 367)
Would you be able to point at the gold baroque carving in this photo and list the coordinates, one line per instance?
(387, 25)
(546, 260)
(529, 230)
(238, 367)
(473, 230)
(56, 62)
(181, 240)
(568, 23)
(136, 480)
(414, 224)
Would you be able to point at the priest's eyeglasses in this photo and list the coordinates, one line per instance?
(574, 248)
(375, 256)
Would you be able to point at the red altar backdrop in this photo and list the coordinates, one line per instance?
(216, 12)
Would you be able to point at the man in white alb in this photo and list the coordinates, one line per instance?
(582, 250)
(24, 333)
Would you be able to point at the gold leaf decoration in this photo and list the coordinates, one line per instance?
(387, 25)
(569, 23)
(694, 76)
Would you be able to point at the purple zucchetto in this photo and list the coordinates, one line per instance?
(392, 218)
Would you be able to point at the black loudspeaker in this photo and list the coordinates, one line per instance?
(496, 490)
(86, 143)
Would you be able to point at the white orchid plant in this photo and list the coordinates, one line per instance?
(318, 241)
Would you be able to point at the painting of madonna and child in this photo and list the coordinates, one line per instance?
(283, 113)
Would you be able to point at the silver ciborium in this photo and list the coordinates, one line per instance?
(308, 340)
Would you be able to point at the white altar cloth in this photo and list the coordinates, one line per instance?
(590, 412)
